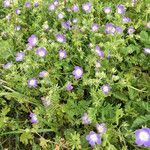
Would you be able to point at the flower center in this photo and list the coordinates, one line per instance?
(78, 72)
(100, 129)
(105, 88)
(93, 137)
(144, 136)
(32, 82)
(86, 7)
(62, 54)
(41, 53)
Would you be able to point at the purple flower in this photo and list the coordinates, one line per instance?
(118, 30)
(36, 4)
(66, 24)
(60, 38)
(19, 56)
(18, 11)
(101, 128)
(6, 3)
(148, 24)
(55, 2)
(93, 138)
(120, 9)
(43, 74)
(75, 8)
(126, 19)
(78, 72)
(51, 7)
(32, 82)
(105, 89)
(99, 51)
(87, 7)
(131, 30)
(98, 64)
(17, 28)
(69, 87)
(86, 119)
(32, 40)
(143, 137)
(95, 27)
(60, 15)
(34, 118)
(8, 65)
(41, 52)
(109, 28)
(147, 50)
(62, 54)
(107, 10)
(27, 4)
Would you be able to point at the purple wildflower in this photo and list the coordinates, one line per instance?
(32, 40)
(29, 47)
(62, 54)
(43, 74)
(60, 38)
(147, 50)
(93, 138)
(143, 137)
(36, 4)
(95, 27)
(69, 87)
(87, 7)
(34, 118)
(51, 7)
(6, 3)
(99, 51)
(109, 28)
(66, 24)
(32, 82)
(27, 4)
(55, 2)
(148, 24)
(98, 64)
(86, 119)
(107, 10)
(19, 56)
(120, 9)
(18, 11)
(126, 19)
(118, 30)
(17, 28)
(41, 52)
(105, 89)
(7, 65)
(60, 15)
(78, 72)
(101, 128)
(131, 30)
(75, 8)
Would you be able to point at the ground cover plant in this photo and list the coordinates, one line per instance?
(74, 75)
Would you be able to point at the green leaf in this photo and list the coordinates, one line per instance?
(141, 121)
(26, 137)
